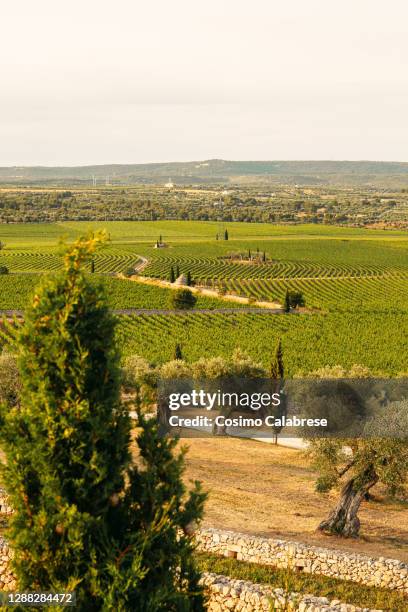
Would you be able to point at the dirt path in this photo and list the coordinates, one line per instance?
(147, 280)
(139, 267)
(158, 311)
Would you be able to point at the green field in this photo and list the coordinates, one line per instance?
(21, 235)
(355, 282)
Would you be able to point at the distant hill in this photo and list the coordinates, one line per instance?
(214, 171)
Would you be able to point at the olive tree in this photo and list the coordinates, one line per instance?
(355, 465)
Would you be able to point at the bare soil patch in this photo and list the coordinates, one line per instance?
(269, 490)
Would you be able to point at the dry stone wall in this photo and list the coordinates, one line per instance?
(5, 508)
(7, 579)
(225, 594)
(380, 572)
(228, 595)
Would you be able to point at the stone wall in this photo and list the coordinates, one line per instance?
(228, 595)
(7, 580)
(5, 508)
(225, 594)
(381, 572)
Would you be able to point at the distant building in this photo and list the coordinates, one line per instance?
(169, 185)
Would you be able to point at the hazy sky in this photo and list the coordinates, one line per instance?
(97, 81)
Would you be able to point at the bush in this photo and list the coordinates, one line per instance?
(4, 270)
(138, 375)
(182, 299)
(296, 299)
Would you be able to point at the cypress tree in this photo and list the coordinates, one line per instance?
(188, 278)
(226, 235)
(86, 518)
(177, 352)
(92, 266)
(264, 256)
(286, 305)
(172, 277)
(277, 367)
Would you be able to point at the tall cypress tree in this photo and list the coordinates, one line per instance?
(177, 352)
(172, 277)
(85, 517)
(286, 305)
(277, 367)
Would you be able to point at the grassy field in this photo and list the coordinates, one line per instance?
(42, 234)
(291, 581)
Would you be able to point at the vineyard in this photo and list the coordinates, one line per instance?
(339, 275)
(377, 341)
(334, 294)
(111, 262)
(354, 281)
(16, 290)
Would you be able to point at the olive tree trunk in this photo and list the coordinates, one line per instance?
(343, 519)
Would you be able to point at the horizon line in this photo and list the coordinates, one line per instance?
(200, 161)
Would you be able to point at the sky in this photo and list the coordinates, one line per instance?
(134, 81)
